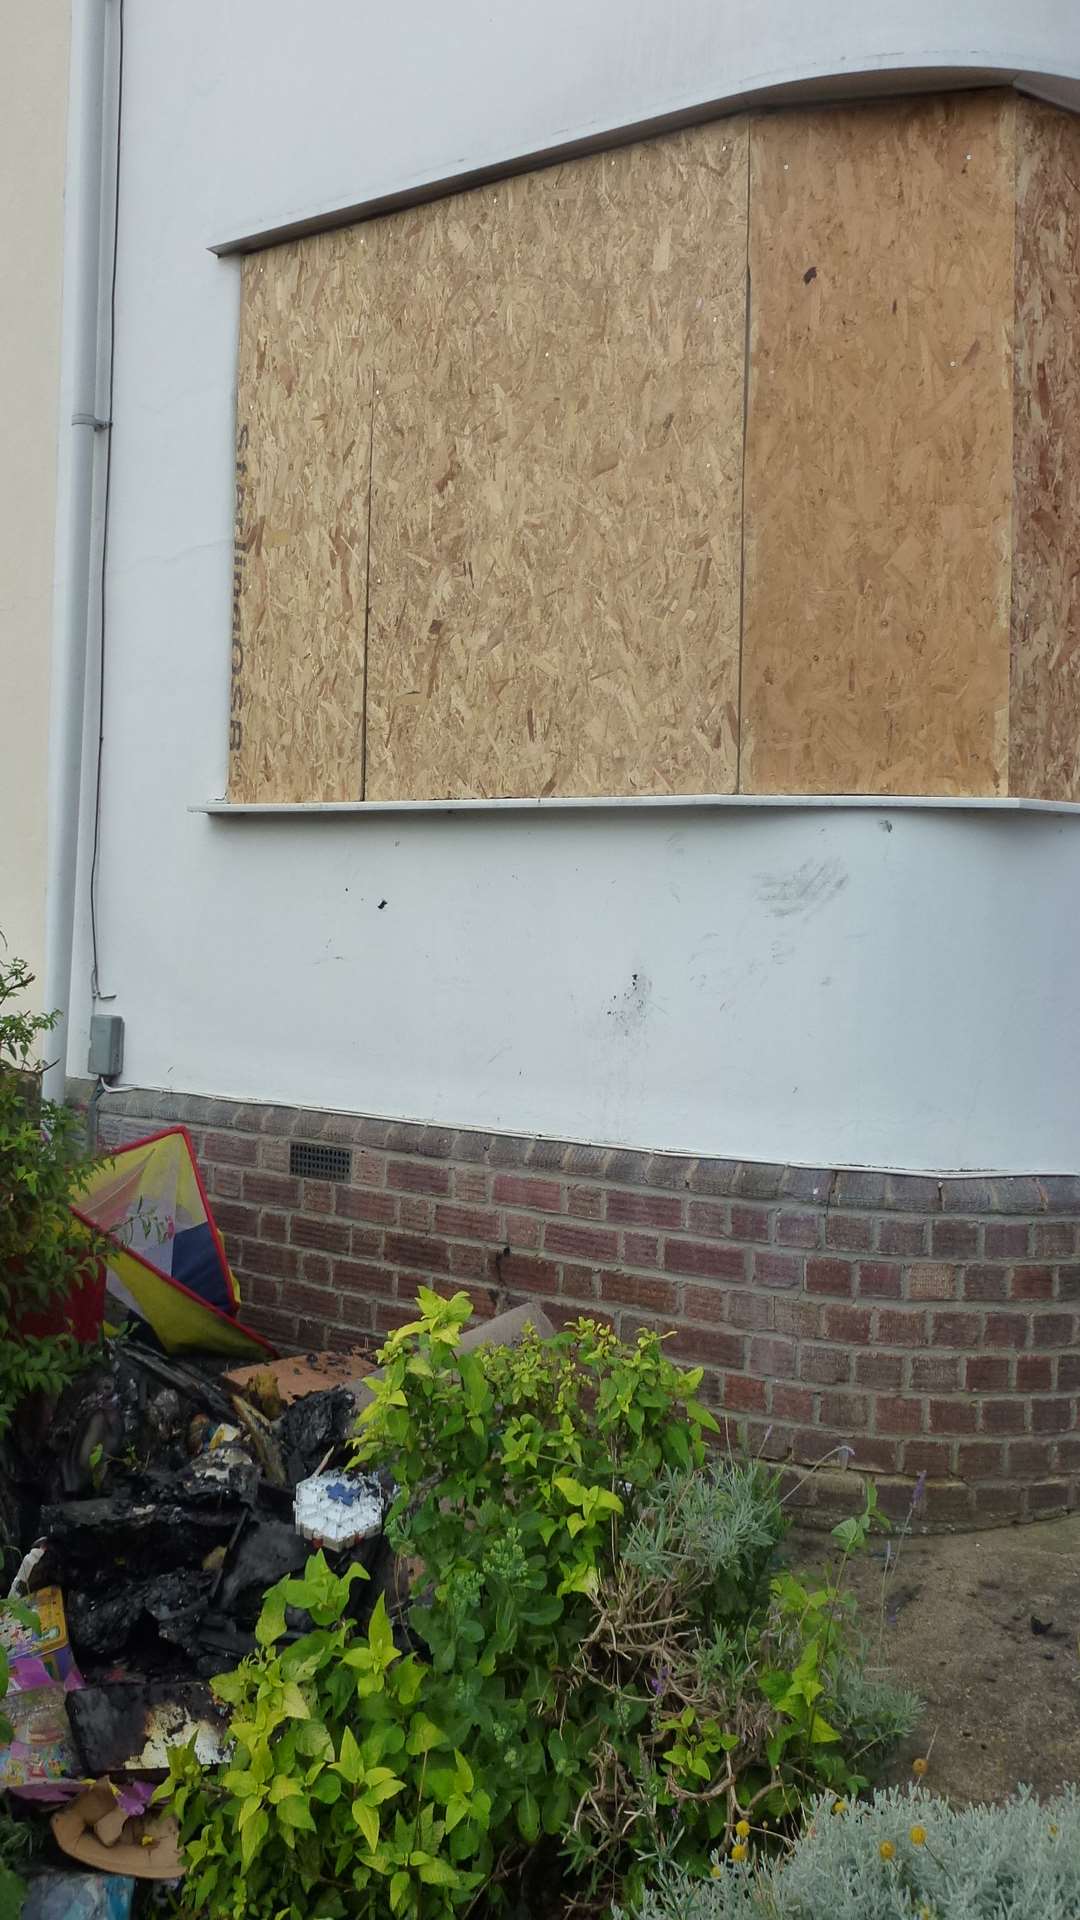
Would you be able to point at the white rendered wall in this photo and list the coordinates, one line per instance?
(33, 116)
(875, 986)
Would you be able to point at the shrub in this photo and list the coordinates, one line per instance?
(603, 1611)
(343, 1797)
(43, 1250)
(904, 1855)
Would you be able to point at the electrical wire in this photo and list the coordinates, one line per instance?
(95, 974)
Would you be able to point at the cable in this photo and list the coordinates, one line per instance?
(95, 977)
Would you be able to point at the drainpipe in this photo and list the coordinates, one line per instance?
(80, 435)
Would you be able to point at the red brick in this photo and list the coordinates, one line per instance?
(514, 1190)
(895, 1414)
(873, 1454)
(954, 1239)
(417, 1176)
(981, 1459)
(318, 1196)
(636, 1290)
(1049, 1496)
(904, 1237)
(986, 1373)
(796, 1319)
(1053, 1416)
(750, 1310)
(844, 1410)
(777, 1269)
(318, 1301)
(577, 1284)
(369, 1169)
(644, 1209)
(985, 1283)
(1053, 1239)
(899, 1329)
(526, 1275)
(931, 1457)
(274, 1325)
(357, 1276)
(232, 1149)
(997, 1503)
(704, 1257)
(750, 1223)
(273, 1226)
(522, 1230)
(582, 1243)
(1003, 1416)
(274, 1155)
(935, 1372)
(828, 1366)
(1031, 1283)
(849, 1324)
(701, 1346)
(329, 1236)
(798, 1229)
(879, 1280)
(850, 1232)
(357, 1312)
(388, 1319)
(466, 1223)
(773, 1359)
(1034, 1373)
(271, 1189)
(1052, 1330)
(585, 1203)
(952, 1416)
(470, 1262)
(358, 1203)
(1007, 1240)
(409, 1250)
(315, 1267)
(256, 1291)
(955, 1330)
(282, 1262)
(1068, 1371)
(932, 1282)
(792, 1403)
(1066, 1453)
(878, 1369)
(710, 1217)
(708, 1305)
(225, 1181)
(742, 1395)
(234, 1218)
(416, 1213)
(1006, 1330)
(836, 1277)
(641, 1249)
(471, 1185)
(1030, 1458)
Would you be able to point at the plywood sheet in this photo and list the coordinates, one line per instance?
(878, 475)
(555, 546)
(1045, 712)
(304, 398)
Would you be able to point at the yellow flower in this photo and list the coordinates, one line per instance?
(920, 1767)
(839, 1806)
(918, 1836)
(716, 1872)
(887, 1850)
(742, 1828)
(738, 1852)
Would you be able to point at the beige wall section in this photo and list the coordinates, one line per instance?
(33, 122)
(878, 476)
(557, 478)
(1045, 705)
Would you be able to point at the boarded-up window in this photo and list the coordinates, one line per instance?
(489, 489)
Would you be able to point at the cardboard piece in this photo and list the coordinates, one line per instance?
(95, 1830)
(505, 1330)
(303, 1373)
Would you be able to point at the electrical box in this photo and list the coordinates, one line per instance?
(106, 1061)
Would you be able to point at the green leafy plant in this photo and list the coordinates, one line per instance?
(602, 1608)
(44, 1253)
(343, 1797)
(16, 1839)
(902, 1855)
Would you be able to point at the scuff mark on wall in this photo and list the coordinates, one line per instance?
(805, 890)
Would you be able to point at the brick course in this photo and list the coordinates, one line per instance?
(931, 1326)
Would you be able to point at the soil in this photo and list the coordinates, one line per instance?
(985, 1627)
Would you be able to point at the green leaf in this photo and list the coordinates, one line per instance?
(367, 1820)
(252, 1836)
(572, 1490)
(528, 1817)
(296, 1813)
(423, 1735)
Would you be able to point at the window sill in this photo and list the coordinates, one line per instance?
(883, 802)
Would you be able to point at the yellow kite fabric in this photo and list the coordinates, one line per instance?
(164, 1256)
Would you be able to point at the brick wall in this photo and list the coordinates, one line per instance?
(930, 1326)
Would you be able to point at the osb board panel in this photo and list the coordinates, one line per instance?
(878, 463)
(1045, 713)
(557, 457)
(304, 398)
